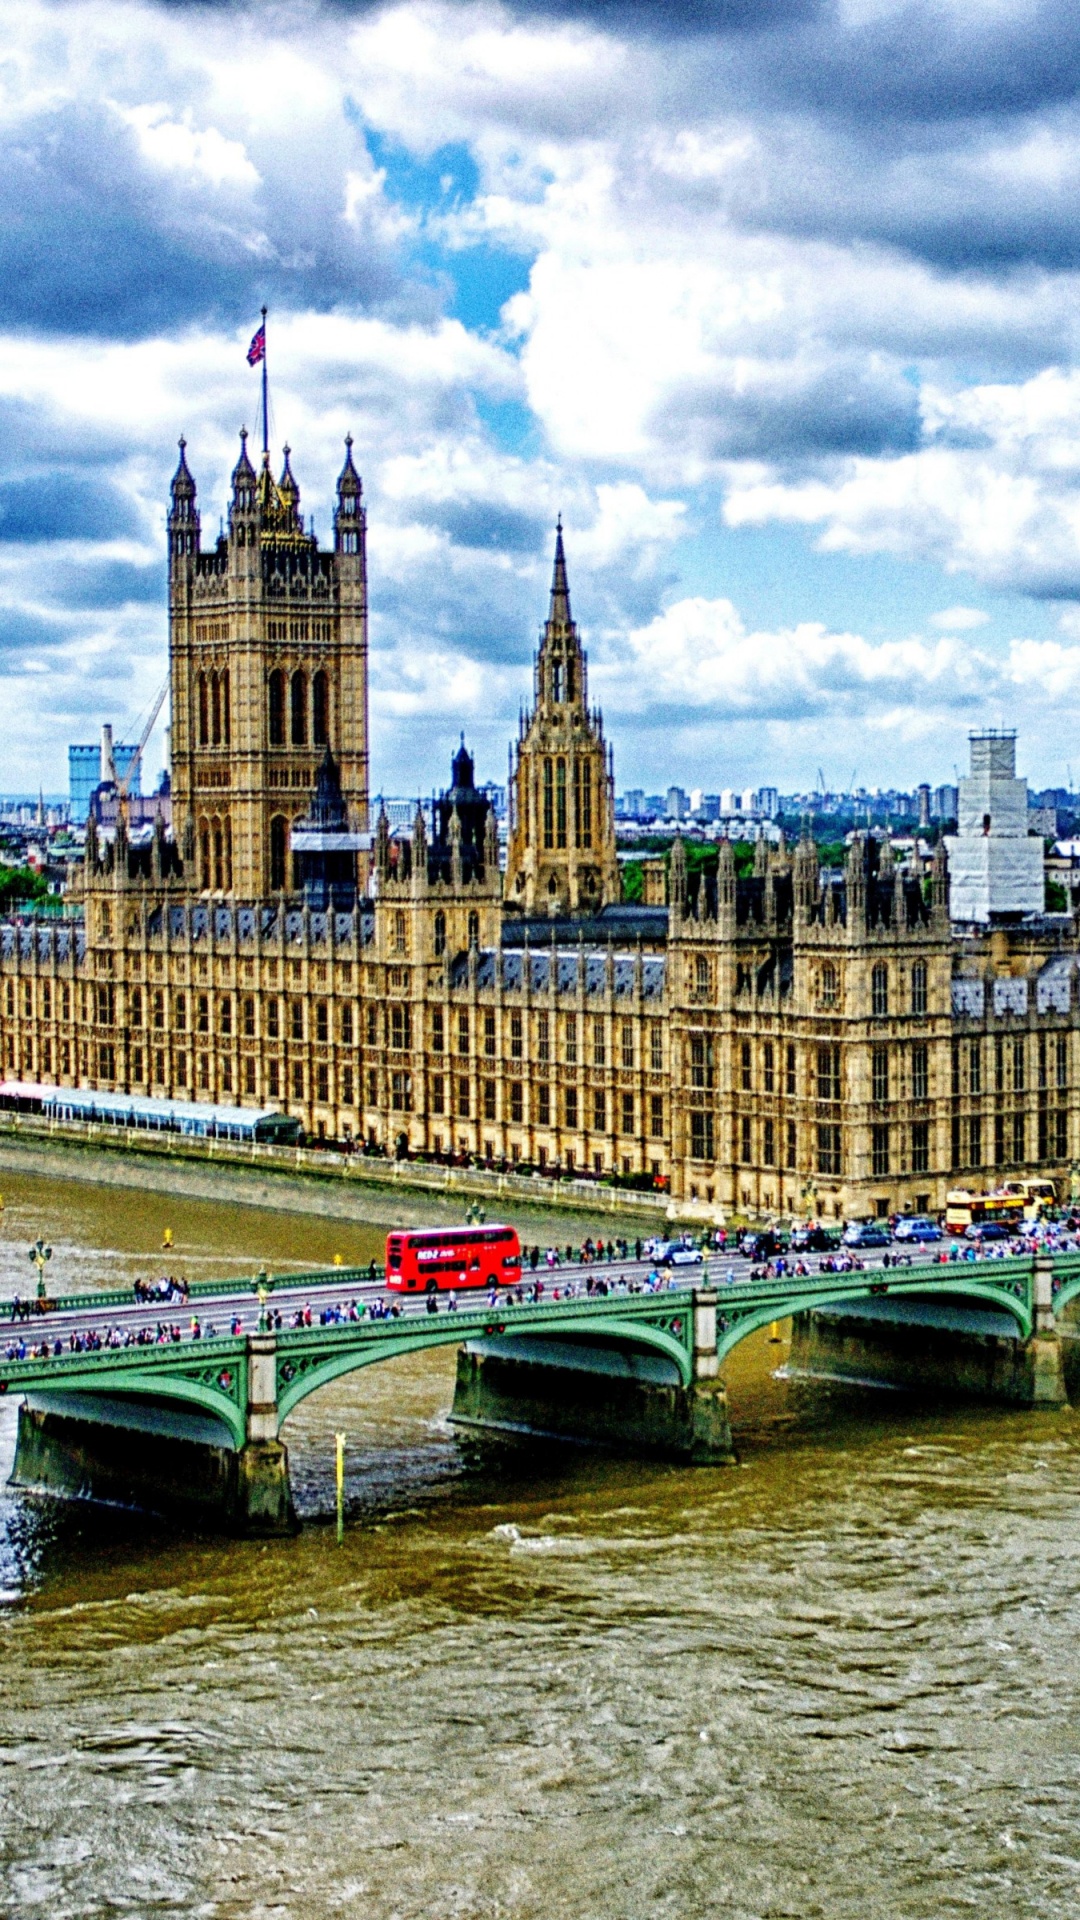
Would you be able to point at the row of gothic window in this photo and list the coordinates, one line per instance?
(215, 855)
(291, 692)
(829, 988)
(554, 804)
(212, 700)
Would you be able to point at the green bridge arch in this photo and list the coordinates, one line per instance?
(737, 1320)
(106, 1376)
(301, 1373)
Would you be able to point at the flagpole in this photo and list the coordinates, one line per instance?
(265, 397)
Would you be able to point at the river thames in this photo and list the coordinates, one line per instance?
(841, 1679)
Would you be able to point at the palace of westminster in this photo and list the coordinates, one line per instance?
(789, 1040)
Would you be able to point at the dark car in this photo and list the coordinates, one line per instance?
(812, 1240)
(764, 1245)
(866, 1234)
(991, 1230)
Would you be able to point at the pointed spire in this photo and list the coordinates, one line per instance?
(348, 478)
(243, 474)
(678, 875)
(559, 611)
(183, 486)
(349, 513)
(287, 486)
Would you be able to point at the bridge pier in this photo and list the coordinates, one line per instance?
(263, 1496)
(160, 1456)
(933, 1346)
(615, 1397)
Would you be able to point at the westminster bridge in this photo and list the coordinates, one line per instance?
(194, 1424)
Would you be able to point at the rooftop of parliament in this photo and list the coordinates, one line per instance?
(842, 1042)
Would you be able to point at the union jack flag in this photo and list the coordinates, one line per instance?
(257, 349)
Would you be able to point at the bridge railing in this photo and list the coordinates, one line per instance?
(241, 1286)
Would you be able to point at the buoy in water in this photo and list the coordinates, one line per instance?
(774, 1333)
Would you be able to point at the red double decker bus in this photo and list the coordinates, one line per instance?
(438, 1258)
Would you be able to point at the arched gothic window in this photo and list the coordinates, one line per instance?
(276, 696)
(320, 710)
(215, 710)
(879, 989)
(204, 712)
(560, 804)
(474, 929)
(440, 934)
(204, 855)
(918, 987)
(278, 837)
(298, 706)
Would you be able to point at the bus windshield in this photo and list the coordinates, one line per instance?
(441, 1258)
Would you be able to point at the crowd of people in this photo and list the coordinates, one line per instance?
(550, 1282)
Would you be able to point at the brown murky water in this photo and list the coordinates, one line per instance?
(842, 1679)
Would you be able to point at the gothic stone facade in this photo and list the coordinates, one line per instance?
(787, 1041)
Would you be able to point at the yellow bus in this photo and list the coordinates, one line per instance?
(1037, 1195)
(964, 1210)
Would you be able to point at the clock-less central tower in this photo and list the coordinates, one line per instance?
(561, 854)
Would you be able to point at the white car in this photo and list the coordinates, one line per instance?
(681, 1256)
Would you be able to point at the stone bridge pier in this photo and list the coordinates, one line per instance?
(163, 1455)
(937, 1346)
(263, 1497)
(626, 1398)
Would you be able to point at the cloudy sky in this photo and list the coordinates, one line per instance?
(778, 301)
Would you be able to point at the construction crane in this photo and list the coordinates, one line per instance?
(123, 785)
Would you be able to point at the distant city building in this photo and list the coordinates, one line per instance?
(768, 802)
(676, 805)
(945, 803)
(924, 805)
(84, 774)
(87, 769)
(633, 803)
(709, 808)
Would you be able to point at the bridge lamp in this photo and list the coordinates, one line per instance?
(39, 1254)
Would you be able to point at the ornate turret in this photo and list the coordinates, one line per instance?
(243, 478)
(678, 877)
(288, 491)
(349, 517)
(806, 877)
(855, 876)
(939, 880)
(183, 522)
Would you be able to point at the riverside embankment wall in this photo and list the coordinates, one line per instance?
(300, 1180)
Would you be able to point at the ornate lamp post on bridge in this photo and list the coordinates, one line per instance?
(39, 1254)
